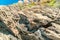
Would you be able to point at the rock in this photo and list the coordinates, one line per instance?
(38, 35)
(35, 23)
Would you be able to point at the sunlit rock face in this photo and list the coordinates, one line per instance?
(8, 2)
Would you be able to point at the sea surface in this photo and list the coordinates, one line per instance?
(8, 2)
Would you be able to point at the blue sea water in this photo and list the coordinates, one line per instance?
(8, 2)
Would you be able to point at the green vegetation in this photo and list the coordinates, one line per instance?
(22, 6)
(31, 4)
(52, 3)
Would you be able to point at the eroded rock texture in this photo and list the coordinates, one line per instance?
(35, 23)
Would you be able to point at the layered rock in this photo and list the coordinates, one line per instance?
(35, 23)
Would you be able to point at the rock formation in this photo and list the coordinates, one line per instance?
(35, 23)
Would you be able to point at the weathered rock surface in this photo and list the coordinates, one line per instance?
(35, 23)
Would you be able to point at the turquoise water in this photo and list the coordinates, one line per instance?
(8, 2)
